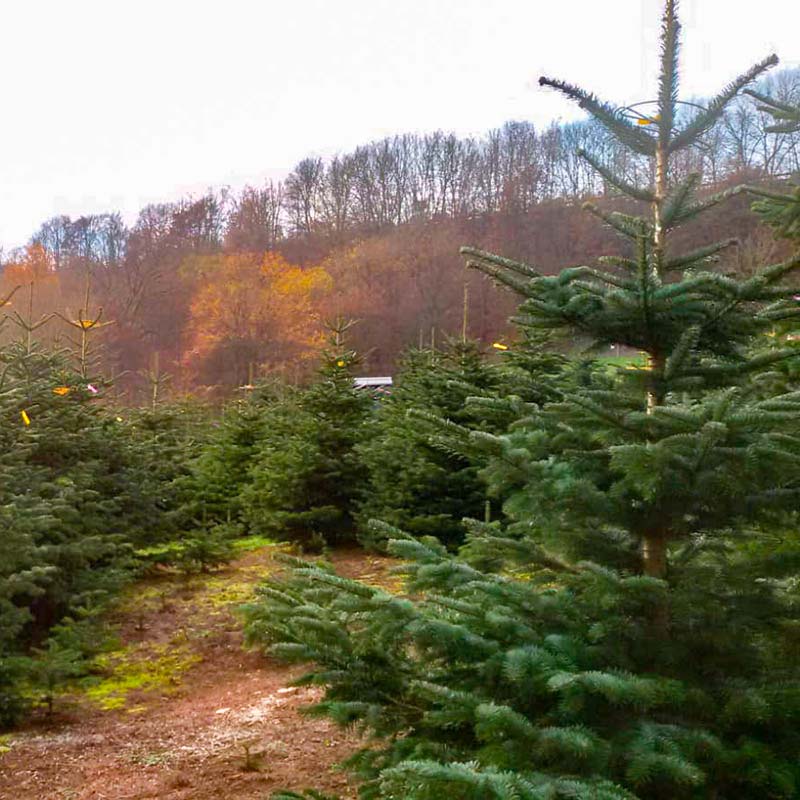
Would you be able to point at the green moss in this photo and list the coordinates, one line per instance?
(5, 743)
(224, 593)
(248, 543)
(138, 669)
(197, 606)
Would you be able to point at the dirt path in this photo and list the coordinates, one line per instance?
(181, 703)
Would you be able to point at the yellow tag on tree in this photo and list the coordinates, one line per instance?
(25, 418)
(340, 363)
(61, 390)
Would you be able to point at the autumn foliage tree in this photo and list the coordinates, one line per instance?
(251, 310)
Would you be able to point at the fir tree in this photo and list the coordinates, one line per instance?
(423, 473)
(306, 474)
(412, 483)
(638, 635)
(74, 502)
(164, 443)
(63, 484)
(220, 470)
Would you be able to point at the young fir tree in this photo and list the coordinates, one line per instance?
(165, 442)
(423, 475)
(306, 473)
(65, 485)
(413, 483)
(75, 498)
(220, 470)
(632, 642)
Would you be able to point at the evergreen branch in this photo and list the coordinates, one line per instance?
(630, 189)
(775, 315)
(702, 254)
(771, 102)
(500, 275)
(609, 117)
(752, 364)
(629, 226)
(500, 261)
(599, 411)
(682, 351)
(769, 275)
(568, 275)
(618, 261)
(789, 114)
(716, 108)
(766, 193)
(677, 201)
(692, 210)
(668, 77)
(705, 280)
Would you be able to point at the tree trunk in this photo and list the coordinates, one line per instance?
(654, 564)
(654, 556)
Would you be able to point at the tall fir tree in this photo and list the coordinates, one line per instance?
(635, 638)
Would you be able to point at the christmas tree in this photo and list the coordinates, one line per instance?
(637, 635)
(306, 474)
(77, 496)
(423, 468)
(66, 488)
(413, 483)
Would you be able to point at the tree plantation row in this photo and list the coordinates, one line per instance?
(600, 554)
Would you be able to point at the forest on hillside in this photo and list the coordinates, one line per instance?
(213, 290)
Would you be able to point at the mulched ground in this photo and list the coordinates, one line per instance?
(189, 740)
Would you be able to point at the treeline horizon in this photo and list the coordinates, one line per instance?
(378, 227)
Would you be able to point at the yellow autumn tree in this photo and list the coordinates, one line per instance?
(252, 310)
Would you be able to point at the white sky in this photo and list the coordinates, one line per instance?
(111, 104)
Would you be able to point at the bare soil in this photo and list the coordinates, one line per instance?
(226, 725)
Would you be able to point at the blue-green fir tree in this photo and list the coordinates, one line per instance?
(633, 631)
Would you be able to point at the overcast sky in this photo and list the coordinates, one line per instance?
(111, 104)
